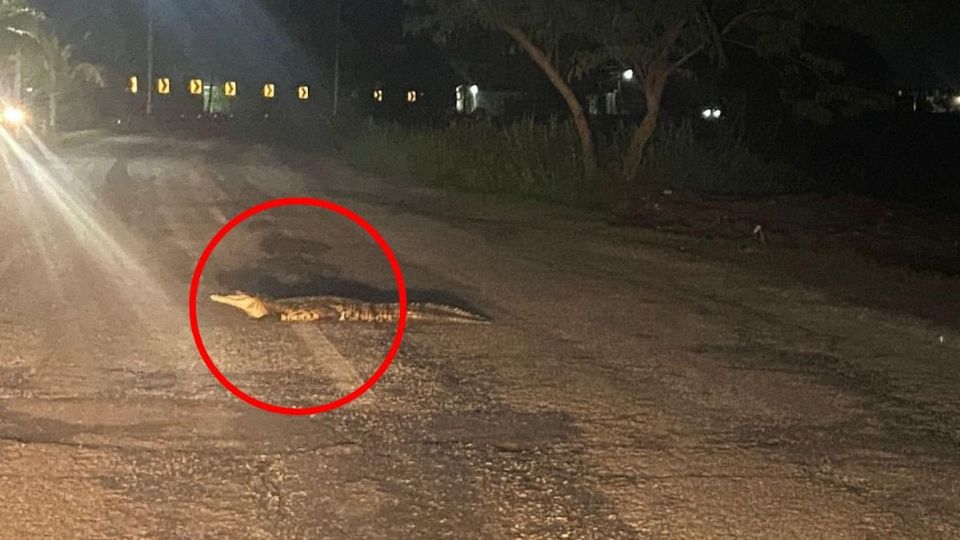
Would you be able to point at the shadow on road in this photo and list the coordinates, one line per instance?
(256, 281)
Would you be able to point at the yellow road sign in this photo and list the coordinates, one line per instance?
(134, 85)
(163, 85)
(303, 92)
(230, 88)
(269, 90)
(196, 86)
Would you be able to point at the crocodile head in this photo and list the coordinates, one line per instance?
(251, 305)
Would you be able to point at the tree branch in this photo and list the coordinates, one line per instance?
(729, 27)
(817, 73)
(746, 15)
(539, 57)
(687, 57)
(671, 37)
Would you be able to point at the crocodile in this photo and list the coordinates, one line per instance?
(335, 308)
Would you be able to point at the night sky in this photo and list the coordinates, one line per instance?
(293, 38)
(280, 40)
(929, 54)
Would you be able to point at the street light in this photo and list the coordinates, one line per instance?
(626, 75)
(13, 115)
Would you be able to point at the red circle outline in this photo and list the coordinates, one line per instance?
(370, 230)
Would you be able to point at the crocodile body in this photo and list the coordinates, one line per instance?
(335, 308)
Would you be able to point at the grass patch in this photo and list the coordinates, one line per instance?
(541, 161)
(681, 158)
(525, 159)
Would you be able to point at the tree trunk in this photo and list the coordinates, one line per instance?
(150, 53)
(536, 54)
(52, 127)
(654, 84)
(53, 115)
(18, 77)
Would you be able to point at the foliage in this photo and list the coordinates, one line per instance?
(61, 68)
(539, 28)
(62, 73)
(538, 161)
(33, 53)
(18, 21)
(551, 23)
(19, 26)
(681, 159)
(662, 39)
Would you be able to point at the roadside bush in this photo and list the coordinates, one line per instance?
(681, 158)
(541, 161)
(527, 159)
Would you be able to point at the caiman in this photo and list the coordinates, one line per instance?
(335, 308)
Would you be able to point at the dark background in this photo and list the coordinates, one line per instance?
(908, 156)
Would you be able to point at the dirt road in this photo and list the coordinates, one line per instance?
(624, 390)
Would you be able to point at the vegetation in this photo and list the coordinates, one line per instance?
(542, 161)
(19, 26)
(660, 40)
(679, 159)
(61, 74)
(33, 55)
(534, 160)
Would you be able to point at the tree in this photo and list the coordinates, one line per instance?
(19, 25)
(61, 73)
(542, 29)
(658, 39)
(18, 19)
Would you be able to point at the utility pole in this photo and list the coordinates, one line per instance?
(149, 84)
(336, 60)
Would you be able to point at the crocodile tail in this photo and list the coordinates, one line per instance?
(385, 313)
(442, 313)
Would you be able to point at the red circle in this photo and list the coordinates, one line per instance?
(370, 230)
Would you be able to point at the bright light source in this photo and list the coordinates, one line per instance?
(628, 75)
(378, 95)
(13, 115)
(711, 113)
(474, 89)
(956, 100)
